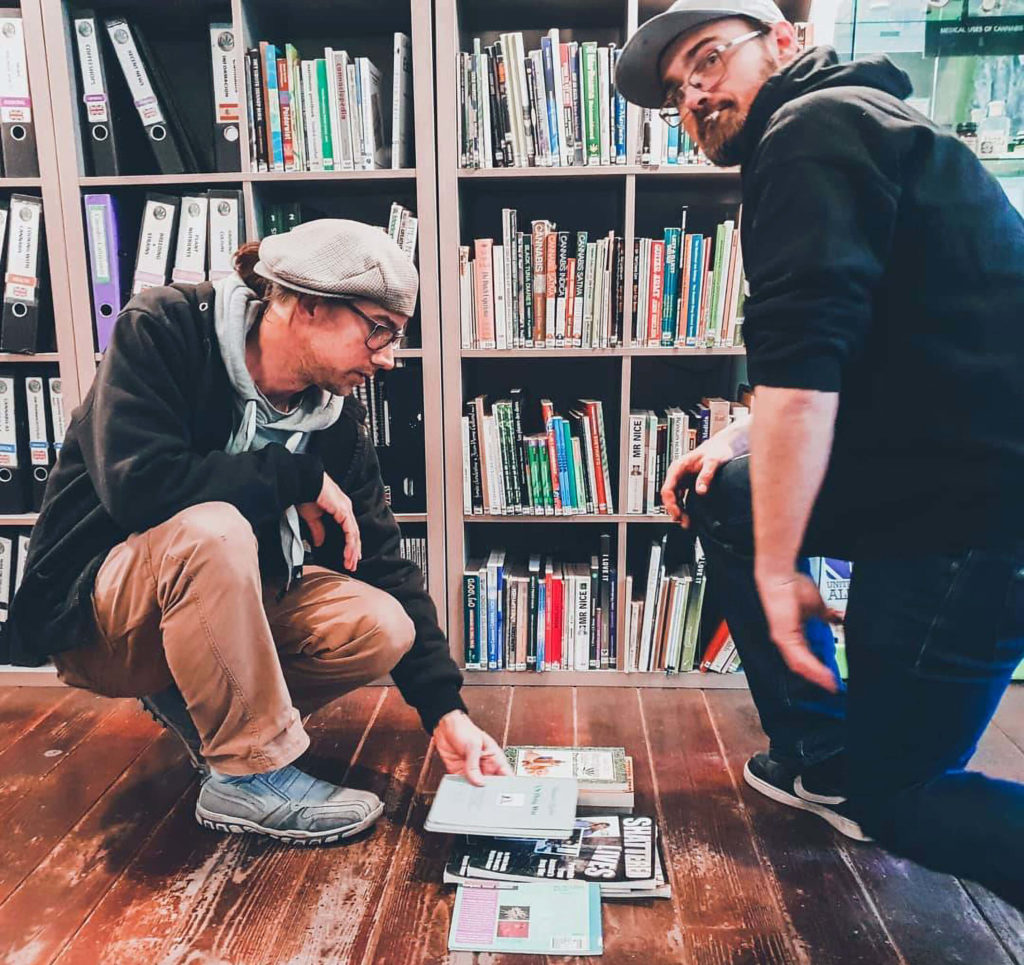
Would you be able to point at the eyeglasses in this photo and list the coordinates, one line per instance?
(706, 75)
(381, 336)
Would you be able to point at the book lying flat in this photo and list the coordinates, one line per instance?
(604, 774)
(520, 807)
(620, 854)
(538, 918)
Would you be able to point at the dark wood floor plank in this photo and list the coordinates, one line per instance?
(50, 905)
(412, 924)
(40, 818)
(172, 889)
(343, 887)
(610, 717)
(1005, 921)
(21, 708)
(728, 897)
(1010, 714)
(39, 750)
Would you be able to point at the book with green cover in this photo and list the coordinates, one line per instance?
(324, 102)
(536, 918)
(591, 107)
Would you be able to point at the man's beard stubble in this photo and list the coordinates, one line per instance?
(722, 143)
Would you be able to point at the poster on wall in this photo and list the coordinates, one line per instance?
(974, 28)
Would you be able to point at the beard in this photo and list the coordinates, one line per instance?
(721, 139)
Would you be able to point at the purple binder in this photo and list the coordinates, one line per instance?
(104, 265)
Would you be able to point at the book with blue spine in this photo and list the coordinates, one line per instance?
(561, 456)
(554, 136)
(670, 301)
(269, 52)
(693, 298)
(619, 105)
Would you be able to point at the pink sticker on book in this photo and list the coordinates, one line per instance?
(477, 916)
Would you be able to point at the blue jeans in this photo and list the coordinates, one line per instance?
(931, 641)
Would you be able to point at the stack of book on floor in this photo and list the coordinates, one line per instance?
(561, 471)
(542, 288)
(553, 107)
(598, 846)
(541, 614)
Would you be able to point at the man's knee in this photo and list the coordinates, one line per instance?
(393, 632)
(212, 529)
(724, 511)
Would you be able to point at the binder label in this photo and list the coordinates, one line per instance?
(99, 249)
(190, 258)
(157, 225)
(15, 104)
(94, 93)
(22, 249)
(135, 73)
(225, 75)
(38, 440)
(60, 425)
(8, 427)
(223, 235)
(6, 551)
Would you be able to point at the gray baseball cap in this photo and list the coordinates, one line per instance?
(341, 259)
(637, 75)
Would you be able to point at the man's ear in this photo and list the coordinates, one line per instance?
(305, 306)
(783, 36)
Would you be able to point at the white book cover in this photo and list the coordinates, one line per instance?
(651, 474)
(158, 220)
(500, 305)
(583, 619)
(355, 112)
(588, 295)
(377, 138)
(311, 115)
(495, 466)
(465, 297)
(333, 104)
(514, 806)
(543, 143)
(604, 102)
(482, 62)
(526, 142)
(190, 256)
(650, 605)
(637, 461)
(401, 103)
(338, 66)
(467, 472)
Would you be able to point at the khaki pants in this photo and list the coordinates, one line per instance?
(184, 603)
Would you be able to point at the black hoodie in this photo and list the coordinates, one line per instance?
(887, 265)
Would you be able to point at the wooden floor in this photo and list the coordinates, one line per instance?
(101, 860)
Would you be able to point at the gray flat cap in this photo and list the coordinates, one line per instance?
(637, 75)
(341, 259)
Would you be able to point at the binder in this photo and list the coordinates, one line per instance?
(190, 255)
(106, 265)
(21, 555)
(19, 326)
(12, 462)
(6, 584)
(17, 130)
(40, 439)
(99, 131)
(227, 229)
(153, 107)
(58, 419)
(156, 242)
(225, 97)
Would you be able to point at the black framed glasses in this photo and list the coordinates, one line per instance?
(706, 75)
(381, 336)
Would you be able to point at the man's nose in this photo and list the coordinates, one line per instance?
(384, 358)
(694, 99)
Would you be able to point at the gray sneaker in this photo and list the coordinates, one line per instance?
(287, 805)
(168, 708)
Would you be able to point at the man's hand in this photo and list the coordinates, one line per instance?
(698, 467)
(789, 600)
(334, 502)
(465, 749)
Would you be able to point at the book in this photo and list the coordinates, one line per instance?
(617, 852)
(523, 807)
(561, 918)
(603, 774)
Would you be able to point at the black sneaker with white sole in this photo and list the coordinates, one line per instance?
(786, 785)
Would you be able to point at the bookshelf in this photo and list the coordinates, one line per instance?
(623, 197)
(179, 38)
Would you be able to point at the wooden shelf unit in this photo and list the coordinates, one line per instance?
(454, 185)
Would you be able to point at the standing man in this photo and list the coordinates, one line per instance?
(168, 559)
(885, 338)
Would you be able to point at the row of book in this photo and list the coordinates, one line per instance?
(394, 407)
(414, 548)
(559, 471)
(660, 143)
(402, 226)
(191, 238)
(23, 249)
(688, 288)
(542, 289)
(328, 113)
(32, 427)
(14, 542)
(663, 625)
(544, 614)
(553, 107)
(655, 442)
